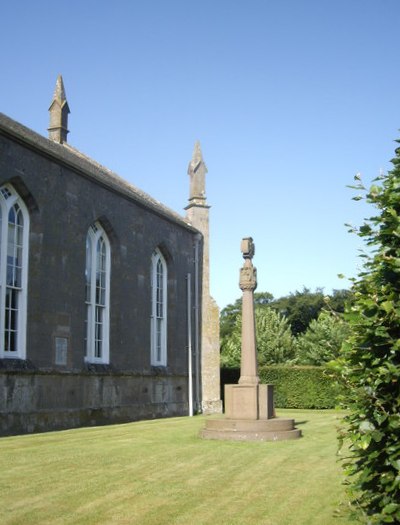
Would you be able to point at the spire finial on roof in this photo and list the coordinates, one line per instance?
(197, 158)
(59, 110)
(59, 92)
(197, 171)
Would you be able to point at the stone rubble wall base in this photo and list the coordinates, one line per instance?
(40, 402)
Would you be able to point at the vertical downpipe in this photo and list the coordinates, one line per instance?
(197, 321)
(189, 328)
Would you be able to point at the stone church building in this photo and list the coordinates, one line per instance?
(105, 308)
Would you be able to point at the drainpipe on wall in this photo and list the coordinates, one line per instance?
(197, 320)
(189, 327)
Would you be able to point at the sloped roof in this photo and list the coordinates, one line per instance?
(88, 168)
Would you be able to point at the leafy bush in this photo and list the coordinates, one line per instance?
(370, 362)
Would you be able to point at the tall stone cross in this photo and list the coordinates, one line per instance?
(249, 405)
(248, 283)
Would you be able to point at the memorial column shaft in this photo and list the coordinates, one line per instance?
(248, 283)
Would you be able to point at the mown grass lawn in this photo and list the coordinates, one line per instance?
(160, 472)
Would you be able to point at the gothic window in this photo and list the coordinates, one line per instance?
(158, 310)
(14, 239)
(97, 274)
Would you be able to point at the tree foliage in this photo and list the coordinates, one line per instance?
(230, 313)
(275, 343)
(228, 317)
(302, 307)
(370, 362)
(322, 340)
(338, 300)
(299, 308)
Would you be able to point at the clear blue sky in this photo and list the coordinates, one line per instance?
(289, 99)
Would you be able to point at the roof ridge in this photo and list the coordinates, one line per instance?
(89, 168)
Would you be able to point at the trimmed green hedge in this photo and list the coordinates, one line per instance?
(295, 386)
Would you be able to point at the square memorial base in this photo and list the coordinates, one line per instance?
(249, 401)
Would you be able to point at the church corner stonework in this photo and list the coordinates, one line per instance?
(198, 215)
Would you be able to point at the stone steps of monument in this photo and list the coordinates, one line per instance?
(258, 425)
(238, 435)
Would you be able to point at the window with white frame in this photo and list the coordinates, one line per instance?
(14, 242)
(97, 275)
(158, 322)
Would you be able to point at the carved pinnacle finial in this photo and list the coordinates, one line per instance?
(197, 157)
(59, 110)
(197, 170)
(59, 92)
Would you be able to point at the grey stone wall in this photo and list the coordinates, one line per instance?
(41, 401)
(63, 201)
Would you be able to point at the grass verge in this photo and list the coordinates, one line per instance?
(160, 472)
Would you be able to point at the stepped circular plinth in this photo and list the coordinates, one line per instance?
(275, 429)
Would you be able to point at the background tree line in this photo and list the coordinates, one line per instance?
(304, 327)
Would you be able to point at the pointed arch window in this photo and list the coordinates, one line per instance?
(158, 310)
(97, 275)
(14, 242)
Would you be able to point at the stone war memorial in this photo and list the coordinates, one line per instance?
(249, 405)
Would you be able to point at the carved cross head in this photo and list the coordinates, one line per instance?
(247, 248)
